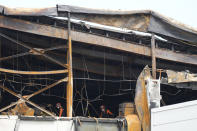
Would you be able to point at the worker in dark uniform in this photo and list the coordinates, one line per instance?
(60, 108)
(105, 113)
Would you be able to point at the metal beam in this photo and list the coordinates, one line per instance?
(32, 49)
(29, 27)
(133, 59)
(99, 68)
(32, 53)
(153, 56)
(24, 99)
(69, 93)
(14, 56)
(47, 87)
(102, 55)
(33, 94)
(33, 72)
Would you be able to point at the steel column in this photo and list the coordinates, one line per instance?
(70, 74)
(153, 56)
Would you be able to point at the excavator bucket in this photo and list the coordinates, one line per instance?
(141, 99)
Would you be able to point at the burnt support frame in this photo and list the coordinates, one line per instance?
(24, 99)
(30, 52)
(93, 39)
(153, 56)
(31, 95)
(69, 92)
(34, 51)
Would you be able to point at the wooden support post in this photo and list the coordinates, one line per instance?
(70, 73)
(153, 56)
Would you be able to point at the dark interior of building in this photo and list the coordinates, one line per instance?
(100, 75)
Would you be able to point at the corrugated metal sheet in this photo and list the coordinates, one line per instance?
(144, 20)
(178, 117)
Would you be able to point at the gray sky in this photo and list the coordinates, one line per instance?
(184, 11)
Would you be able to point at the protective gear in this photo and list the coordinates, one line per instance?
(58, 106)
(105, 113)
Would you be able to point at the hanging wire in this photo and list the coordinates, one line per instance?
(123, 71)
(104, 72)
(85, 65)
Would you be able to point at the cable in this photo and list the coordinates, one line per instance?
(84, 61)
(90, 79)
(171, 93)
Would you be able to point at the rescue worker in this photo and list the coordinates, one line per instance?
(60, 108)
(105, 113)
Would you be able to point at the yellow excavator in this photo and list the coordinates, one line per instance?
(139, 120)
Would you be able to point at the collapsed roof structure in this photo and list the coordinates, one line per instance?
(109, 50)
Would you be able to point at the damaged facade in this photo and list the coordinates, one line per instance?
(83, 58)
